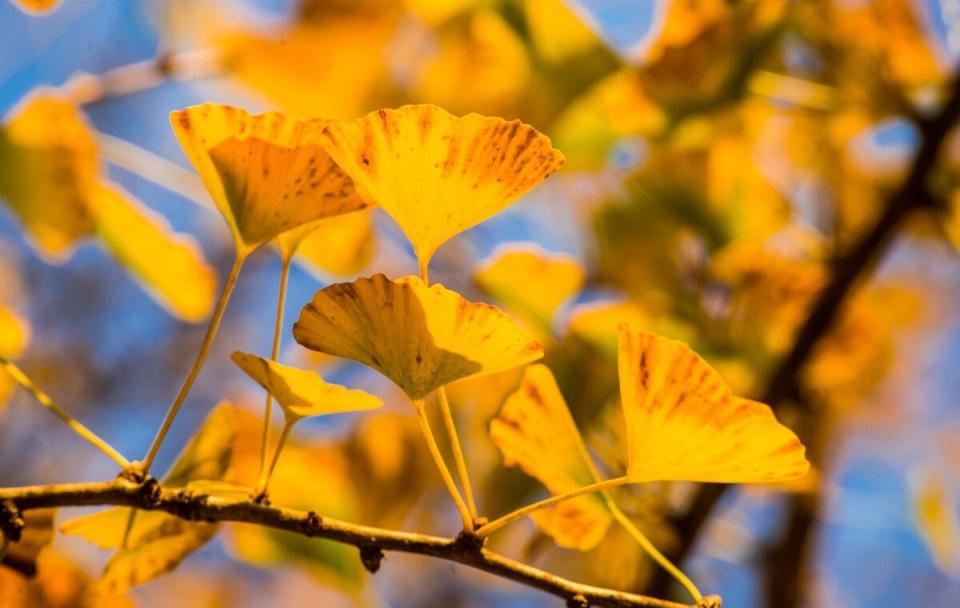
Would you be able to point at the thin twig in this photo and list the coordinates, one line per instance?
(187, 504)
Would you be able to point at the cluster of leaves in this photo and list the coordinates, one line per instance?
(701, 246)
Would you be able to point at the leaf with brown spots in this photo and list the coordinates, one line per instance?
(303, 393)
(684, 424)
(420, 337)
(536, 432)
(437, 174)
(266, 173)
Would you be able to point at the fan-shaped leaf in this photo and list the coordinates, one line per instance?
(420, 337)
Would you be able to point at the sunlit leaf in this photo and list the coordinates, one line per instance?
(936, 519)
(437, 174)
(531, 283)
(158, 542)
(169, 265)
(303, 393)
(536, 432)
(420, 337)
(266, 173)
(342, 245)
(48, 163)
(683, 423)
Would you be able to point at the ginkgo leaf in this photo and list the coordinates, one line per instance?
(169, 265)
(684, 424)
(48, 162)
(530, 282)
(266, 173)
(436, 174)
(420, 337)
(158, 542)
(303, 393)
(341, 245)
(536, 432)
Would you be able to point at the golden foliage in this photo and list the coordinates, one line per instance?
(266, 173)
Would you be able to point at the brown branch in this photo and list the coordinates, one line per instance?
(194, 506)
(913, 194)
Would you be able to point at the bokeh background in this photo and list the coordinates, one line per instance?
(721, 156)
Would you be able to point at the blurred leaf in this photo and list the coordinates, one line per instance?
(14, 333)
(936, 519)
(48, 164)
(341, 245)
(438, 175)
(158, 542)
(530, 283)
(536, 432)
(420, 337)
(481, 65)
(303, 393)
(558, 32)
(266, 173)
(169, 265)
(684, 424)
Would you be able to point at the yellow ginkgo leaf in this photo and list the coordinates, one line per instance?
(169, 265)
(158, 542)
(303, 393)
(437, 174)
(536, 432)
(266, 173)
(48, 162)
(531, 283)
(420, 337)
(684, 424)
(341, 246)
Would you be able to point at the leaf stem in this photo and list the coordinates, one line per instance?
(274, 354)
(451, 427)
(419, 405)
(212, 328)
(513, 516)
(44, 399)
(652, 551)
(264, 482)
(458, 457)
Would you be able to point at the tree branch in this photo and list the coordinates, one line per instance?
(913, 194)
(194, 506)
(85, 88)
